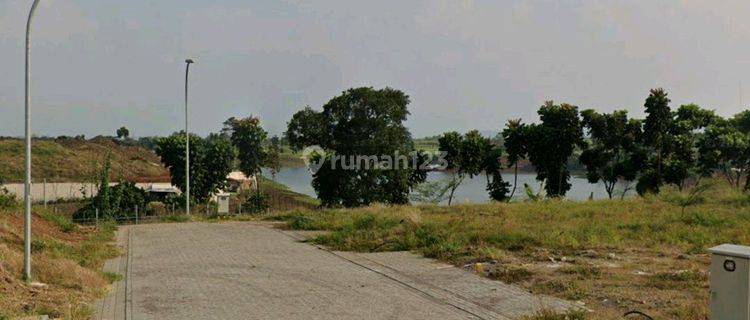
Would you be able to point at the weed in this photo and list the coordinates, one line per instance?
(567, 289)
(510, 274)
(112, 277)
(678, 279)
(64, 223)
(553, 315)
(583, 271)
(175, 218)
(703, 220)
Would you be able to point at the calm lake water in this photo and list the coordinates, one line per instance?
(470, 191)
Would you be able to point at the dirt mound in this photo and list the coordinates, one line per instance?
(78, 160)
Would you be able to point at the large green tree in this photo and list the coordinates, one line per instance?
(210, 162)
(361, 122)
(614, 154)
(551, 144)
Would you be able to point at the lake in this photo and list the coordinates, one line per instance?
(470, 191)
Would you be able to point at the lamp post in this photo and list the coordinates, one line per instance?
(27, 184)
(188, 62)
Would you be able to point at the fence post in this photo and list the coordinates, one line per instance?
(44, 192)
(97, 215)
(240, 208)
(136, 214)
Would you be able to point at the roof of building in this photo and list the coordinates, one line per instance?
(238, 176)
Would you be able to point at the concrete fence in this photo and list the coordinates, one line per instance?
(66, 190)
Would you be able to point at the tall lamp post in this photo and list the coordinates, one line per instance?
(27, 184)
(188, 62)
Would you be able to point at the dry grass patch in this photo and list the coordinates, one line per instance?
(67, 260)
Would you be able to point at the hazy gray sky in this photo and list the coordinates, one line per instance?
(101, 64)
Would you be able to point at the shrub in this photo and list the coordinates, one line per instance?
(156, 208)
(257, 203)
(123, 198)
(7, 200)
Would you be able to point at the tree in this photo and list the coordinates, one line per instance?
(210, 162)
(514, 136)
(273, 156)
(123, 133)
(451, 144)
(308, 128)
(102, 200)
(470, 155)
(492, 166)
(683, 154)
(248, 137)
(724, 147)
(655, 135)
(551, 144)
(361, 122)
(613, 155)
(432, 192)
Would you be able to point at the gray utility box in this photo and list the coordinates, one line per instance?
(222, 200)
(730, 282)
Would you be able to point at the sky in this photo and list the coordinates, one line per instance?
(101, 64)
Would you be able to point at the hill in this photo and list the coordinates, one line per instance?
(77, 160)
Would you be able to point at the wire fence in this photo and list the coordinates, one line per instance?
(174, 213)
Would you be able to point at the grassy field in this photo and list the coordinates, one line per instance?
(66, 257)
(646, 254)
(74, 160)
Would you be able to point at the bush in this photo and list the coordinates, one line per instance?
(156, 208)
(257, 203)
(124, 198)
(7, 200)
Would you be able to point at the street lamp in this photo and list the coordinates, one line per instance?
(188, 62)
(27, 184)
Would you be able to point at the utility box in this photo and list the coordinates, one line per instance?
(222, 199)
(730, 282)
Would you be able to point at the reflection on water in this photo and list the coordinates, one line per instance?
(471, 190)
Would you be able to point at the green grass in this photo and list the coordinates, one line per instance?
(90, 253)
(627, 236)
(63, 222)
(112, 277)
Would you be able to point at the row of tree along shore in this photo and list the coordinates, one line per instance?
(677, 147)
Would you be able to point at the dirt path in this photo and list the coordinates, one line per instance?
(252, 271)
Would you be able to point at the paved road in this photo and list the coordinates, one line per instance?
(252, 271)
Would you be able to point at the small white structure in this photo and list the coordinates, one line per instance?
(222, 200)
(730, 282)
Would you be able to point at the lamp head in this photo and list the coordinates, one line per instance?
(189, 61)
